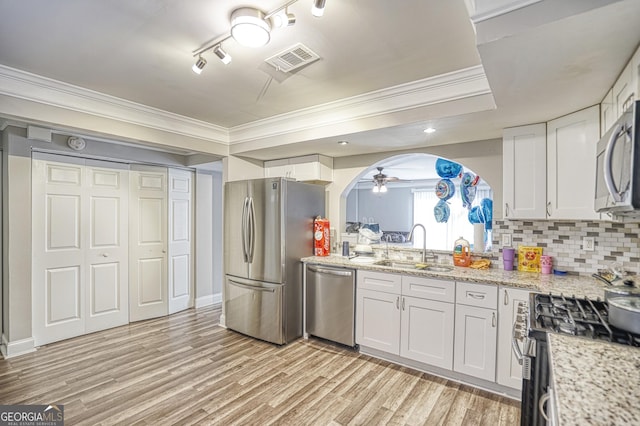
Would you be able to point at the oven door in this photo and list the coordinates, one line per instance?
(534, 385)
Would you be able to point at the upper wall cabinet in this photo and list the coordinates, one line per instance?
(571, 165)
(309, 168)
(524, 172)
(624, 90)
(549, 170)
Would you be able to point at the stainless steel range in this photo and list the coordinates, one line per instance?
(547, 313)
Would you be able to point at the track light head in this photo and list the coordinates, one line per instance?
(224, 56)
(199, 65)
(283, 19)
(317, 9)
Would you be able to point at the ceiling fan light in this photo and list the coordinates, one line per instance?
(376, 189)
(317, 9)
(249, 27)
(199, 65)
(383, 188)
(224, 56)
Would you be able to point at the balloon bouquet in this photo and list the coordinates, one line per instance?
(445, 189)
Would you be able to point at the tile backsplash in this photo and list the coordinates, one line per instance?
(614, 242)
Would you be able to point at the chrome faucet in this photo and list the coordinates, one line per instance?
(424, 240)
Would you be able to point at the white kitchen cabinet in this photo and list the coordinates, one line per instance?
(508, 370)
(475, 342)
(378, 320)
(312, 168)
(390, 318)
(427, 331)
(524, 172)
(476, 326)
(571, 165)
(549, 169)
(623, 88)
(607, 113)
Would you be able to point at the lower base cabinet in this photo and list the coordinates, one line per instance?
(427, 331)
(378, 320)
(475, 342)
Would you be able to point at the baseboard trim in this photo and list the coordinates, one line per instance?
(19, 347)
(212, 299)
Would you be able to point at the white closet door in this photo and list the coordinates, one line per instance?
(181, 281)
(107, 254)
(147, 242)
(57, 241)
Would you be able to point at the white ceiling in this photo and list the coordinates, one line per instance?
(141, 51)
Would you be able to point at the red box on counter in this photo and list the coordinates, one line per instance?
(321, 234)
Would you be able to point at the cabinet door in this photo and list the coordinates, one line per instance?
(475, 342)
(571, 165)
(378, 320)
(508, 371)
(279, 171)
(427, 331)
(524, 172)
(622, 89)
(607, 113)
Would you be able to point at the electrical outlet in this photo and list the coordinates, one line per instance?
(588, 243)
(506, 240)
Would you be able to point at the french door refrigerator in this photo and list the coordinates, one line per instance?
(268, 227)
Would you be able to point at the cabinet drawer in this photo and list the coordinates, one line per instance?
(480, 295)
(429, 288)
(379, 281)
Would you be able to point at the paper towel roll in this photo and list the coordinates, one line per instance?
(478, 237)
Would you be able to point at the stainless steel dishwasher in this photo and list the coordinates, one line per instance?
(330, 303)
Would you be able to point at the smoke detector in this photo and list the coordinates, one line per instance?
(293, 58)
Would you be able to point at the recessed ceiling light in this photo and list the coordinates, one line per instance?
(343, 142)
(429, 130)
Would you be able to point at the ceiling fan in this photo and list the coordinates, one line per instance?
(380, 180)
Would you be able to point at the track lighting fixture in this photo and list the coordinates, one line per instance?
(224, 56)
(251, 27)
(317, 9)
(199, 65)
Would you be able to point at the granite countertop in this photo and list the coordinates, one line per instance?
(595, 382)
(570, 285)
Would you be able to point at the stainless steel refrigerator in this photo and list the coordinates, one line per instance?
(268, 227)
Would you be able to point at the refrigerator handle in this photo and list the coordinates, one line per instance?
(243, 231)
(252, 229)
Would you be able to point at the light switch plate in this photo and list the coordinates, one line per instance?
(506, 240)
(588, 243)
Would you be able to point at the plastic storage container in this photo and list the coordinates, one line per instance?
(461, 252)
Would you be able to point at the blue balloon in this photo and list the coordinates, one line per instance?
(441, 211)
(447, 169)
(445, 189)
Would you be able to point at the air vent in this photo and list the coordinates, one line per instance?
(293, 58)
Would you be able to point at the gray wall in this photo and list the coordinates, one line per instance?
(392, 210)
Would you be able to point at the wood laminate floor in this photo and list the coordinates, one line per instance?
(184, 369)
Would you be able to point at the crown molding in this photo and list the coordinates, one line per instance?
(31, 87)
(456, 85)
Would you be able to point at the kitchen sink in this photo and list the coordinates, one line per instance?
(413, 265)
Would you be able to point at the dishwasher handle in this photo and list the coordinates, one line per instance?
(338, 272)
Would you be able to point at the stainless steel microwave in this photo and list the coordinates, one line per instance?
(618, 166)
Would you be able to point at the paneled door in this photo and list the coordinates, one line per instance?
(80, 251)
(107, 245)
(181, 291)
(148, 242)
